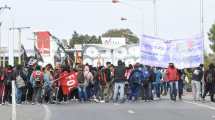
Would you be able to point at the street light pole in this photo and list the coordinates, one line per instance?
(19, 40)
(2, 52)
(155, 23)
(155, 17)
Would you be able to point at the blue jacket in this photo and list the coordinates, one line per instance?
(158, 76)
(47, 80)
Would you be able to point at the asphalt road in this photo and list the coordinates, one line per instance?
(156, 110)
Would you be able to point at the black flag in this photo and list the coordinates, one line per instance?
(37, 54)
(24, 55)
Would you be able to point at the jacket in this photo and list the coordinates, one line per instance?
(197, 74)
(172, 74)
(119, 74)
(33, 76)
(47, 79)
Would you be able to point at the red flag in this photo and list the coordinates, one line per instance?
(68, 82)
(43, 42)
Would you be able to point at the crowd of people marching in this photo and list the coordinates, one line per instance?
(109, 83)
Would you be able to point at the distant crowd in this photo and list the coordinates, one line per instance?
(118, 84)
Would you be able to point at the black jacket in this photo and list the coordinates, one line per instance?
(197, 74)
(119, 73)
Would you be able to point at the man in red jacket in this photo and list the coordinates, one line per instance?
(172, 78)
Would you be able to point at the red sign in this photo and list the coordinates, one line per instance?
(68, 82)
(43, 42)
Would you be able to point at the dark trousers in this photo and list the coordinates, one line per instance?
(2, 92)
(8, 91)
(147, 91)
(60, 96)
(135, 88)
(209, 87)
(180, 88)
(29, 92)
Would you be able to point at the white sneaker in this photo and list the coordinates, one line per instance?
(96, 100)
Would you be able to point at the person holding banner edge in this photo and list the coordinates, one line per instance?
(172, 77)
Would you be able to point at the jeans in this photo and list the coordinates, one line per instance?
(135, 88)
(37, 95)
(157, 89)
(96, 89)
(119, 89)
(19, 92)
(196, 89)
(47, 94)
(82, 92)
(164, 88)
(173, 89)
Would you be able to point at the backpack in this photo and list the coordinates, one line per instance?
(209, 77)
(81, 77)
(38, 79)
(102, 77)
(136, 77)
(146, 76)
(20, 81)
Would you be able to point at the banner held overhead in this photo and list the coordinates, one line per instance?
(184, 53)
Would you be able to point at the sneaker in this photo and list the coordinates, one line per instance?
(96, 100)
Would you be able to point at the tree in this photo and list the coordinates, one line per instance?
(211, 35)
(84, 39)
(127, 33)
(208, 59)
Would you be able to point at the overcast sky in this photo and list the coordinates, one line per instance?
(176, 18)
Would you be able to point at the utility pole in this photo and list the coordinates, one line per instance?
(155, 17)
(19, 40)
(2, 52)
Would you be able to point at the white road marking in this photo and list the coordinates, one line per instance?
(200, 105)
(47, 112)
(131, 112)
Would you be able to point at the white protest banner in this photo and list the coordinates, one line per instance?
(184, 53)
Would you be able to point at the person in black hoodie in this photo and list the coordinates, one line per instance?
(119, 79)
